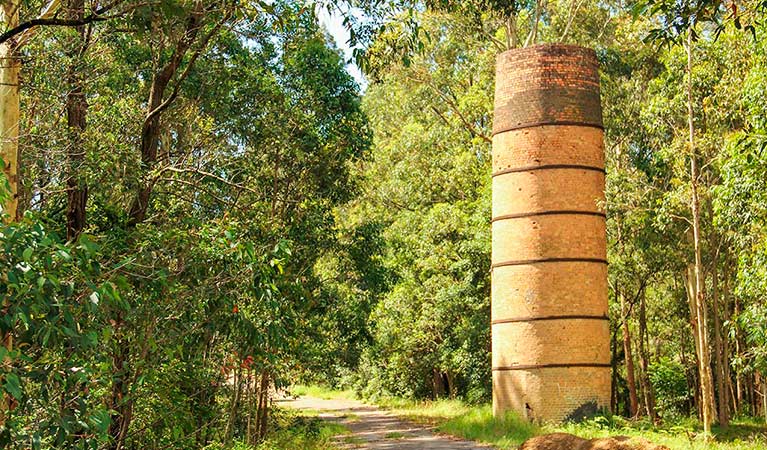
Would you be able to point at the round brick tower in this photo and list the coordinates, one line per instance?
(550, 331)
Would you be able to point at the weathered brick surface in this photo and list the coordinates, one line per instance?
(547, 83)
(551, 289)
(550, 337)
(550, 342)
(533, 147)
(544, 394)
(547, 190)
(554, 236)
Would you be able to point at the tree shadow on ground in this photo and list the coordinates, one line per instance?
(737, 431)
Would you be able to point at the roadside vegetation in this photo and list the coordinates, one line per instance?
(476, 422)
(293, 430)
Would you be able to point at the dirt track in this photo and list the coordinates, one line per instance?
(373, 428)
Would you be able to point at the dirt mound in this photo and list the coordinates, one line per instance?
(564, 441)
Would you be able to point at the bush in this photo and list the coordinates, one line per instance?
(670, 385)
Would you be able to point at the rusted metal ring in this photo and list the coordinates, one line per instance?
(546, 260)
(543, 318)
(551, 366)
(549, 122)
(549, 213)
(549, 166)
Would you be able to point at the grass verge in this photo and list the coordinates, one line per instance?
(313, 434)
(475, 423)
(296, 431)
(684, 434)
(478, 424)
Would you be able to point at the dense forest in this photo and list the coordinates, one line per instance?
(202, 207)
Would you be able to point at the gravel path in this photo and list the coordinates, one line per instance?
(373, 428)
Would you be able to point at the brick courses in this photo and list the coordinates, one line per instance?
(550, 335)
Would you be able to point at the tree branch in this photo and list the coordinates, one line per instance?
(454, 107)
(47, 18)
(177, 86)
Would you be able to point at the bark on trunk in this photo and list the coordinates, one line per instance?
(263, 406)
(704, 358)
(739, 382)
(614, 372)
(235, 404)
(649, 396)
(630, 378)
(10, 66)
(150, 131)
(119, 402)
(722, 401)
(77, 107)
(726, 307)
(761, 384)
(438, 386)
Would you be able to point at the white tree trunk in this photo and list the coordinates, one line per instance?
(10, 66)
(704, 352)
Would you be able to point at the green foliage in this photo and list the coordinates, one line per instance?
(292, 432)
(426, 193)
(670, 384)
(507, 431)
(153, 334)
(300, 432)
(54, 371)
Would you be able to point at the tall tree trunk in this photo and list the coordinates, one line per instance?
(727, 345)
(630, 378)
(704, 358)
(10, 66)
(739, 382)
(761, 383)
(614, 371)
(263, 405)
(721, 388)
(251, 404)
(235, 404)
(191, 44)
(691, 301)
(150, 131)
(649, 396)
(77, 107)
(755, 393)
(438, 386)
(119, 402)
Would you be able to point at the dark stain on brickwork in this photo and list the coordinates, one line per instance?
(548, 84)
(584, 412)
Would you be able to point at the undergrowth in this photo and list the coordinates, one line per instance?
(293, 431)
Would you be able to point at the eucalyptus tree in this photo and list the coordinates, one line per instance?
(248, 124)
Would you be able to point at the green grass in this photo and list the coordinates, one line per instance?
(429, 412)
(302, 439)
(353, 440)
(298, 431)
(313, 435)
(681, 435)
(394, 435)
(456, 418)
(478, 424)
(321, 392)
